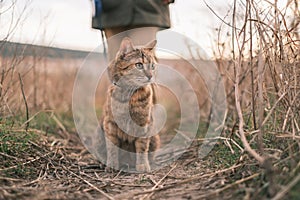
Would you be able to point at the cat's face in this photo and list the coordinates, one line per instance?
(133, 66)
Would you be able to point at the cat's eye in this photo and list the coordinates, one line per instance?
(139, 65)
(152, 66)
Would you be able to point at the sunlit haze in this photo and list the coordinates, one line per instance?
(67, 24)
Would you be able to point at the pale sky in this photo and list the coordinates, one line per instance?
(67, 24)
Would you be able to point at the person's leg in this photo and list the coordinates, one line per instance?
(139, 37)
(113, 43)
(142, 36)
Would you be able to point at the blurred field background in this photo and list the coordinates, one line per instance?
(256, 49)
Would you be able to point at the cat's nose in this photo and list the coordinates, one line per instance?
(149, 75)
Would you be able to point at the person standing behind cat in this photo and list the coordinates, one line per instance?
(140, 19)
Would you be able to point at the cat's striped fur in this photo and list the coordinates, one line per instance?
(127, 119)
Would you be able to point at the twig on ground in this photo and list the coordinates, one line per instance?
(88, 183)
(147, 196)
(217, 191)
(10, 179)
(8, 156)
(25, 163)
(188, 180)
(223, 138)
(284, 190)
(59, 123)
(33, 116)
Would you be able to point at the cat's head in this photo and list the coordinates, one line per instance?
(133, 66)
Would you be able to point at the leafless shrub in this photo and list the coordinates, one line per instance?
(261, 66)
(47, 79)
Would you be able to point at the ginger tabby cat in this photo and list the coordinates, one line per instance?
(127, 120)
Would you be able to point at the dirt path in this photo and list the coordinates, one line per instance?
(61, 168)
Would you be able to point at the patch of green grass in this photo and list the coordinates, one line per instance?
(222, 157)
(12, 140)
(15, 148)
(50, 122)
(294, 193)
(21, 171)
(44, 121)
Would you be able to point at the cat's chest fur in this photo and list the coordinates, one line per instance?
(131, 111)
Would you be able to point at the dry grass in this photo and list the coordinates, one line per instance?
(266, 70)
(260, 67)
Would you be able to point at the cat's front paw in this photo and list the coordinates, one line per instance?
(109, 169)
(144, 167)
(112, 166)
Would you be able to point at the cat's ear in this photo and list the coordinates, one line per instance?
(150, 46)
(126, 46)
